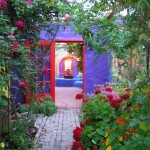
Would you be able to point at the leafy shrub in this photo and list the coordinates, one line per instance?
(18, 137)
(97, 116)
(46, 107)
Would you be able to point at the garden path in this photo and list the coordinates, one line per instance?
(65, 97)
(56, 132)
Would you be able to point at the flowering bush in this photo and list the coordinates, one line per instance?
(96, 118)
(117, 122)
(77, 133)
(132, 128)
(77, 145)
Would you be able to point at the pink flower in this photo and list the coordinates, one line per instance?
(20, 24)
(45, 71)
(67, 17)
(29, 2)
(22, 84)
(3, 4)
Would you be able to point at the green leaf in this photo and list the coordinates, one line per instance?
(94, 142)
(113, 134)
(143, 126)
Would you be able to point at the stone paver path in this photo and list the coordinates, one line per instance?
(65, 97)
(56, 132)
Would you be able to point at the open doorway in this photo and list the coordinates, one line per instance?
(69, 73)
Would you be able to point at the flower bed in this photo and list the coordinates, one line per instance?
(120, 122)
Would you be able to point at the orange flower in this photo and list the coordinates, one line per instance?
(120, 121)
(136, 106)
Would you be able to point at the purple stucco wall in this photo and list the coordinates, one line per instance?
(96, 71)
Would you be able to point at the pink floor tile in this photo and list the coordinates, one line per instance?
(65, 97)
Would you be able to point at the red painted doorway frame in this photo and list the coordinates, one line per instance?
(52, 69)
(83, 53)
(52, 58)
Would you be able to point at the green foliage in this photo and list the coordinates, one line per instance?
(46, 107)
(135, 133)
(100, 116)
(99, 22)
(18, 136)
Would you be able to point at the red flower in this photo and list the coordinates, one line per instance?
(98, 91)
(87, 122)
(127, 103)
(77, 145)
(79, 96)
(125, 96)
(45, 71)
(110, 97)
(115, 103)
(15, 46)
(148, 96)
(120, 121)
(82, 124)
(132, 130)
(108, 89)
(128, 110)
(85, 100)
(3, 4)
(22, 84)
(124, 135)
(95, 147)
(20, 24)
(127, 89)
(77, 132)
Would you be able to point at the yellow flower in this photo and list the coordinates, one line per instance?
(2, 144)
(120, 138)
(127, 117)
(136, 135)
(107, 143)
(123, 102)
(109, 148)
(106, 135)
(147, 90)
(137, 90)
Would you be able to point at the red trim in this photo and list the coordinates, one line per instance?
(76, 41)
(69, 41)
(52, 69)
(52, 60)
